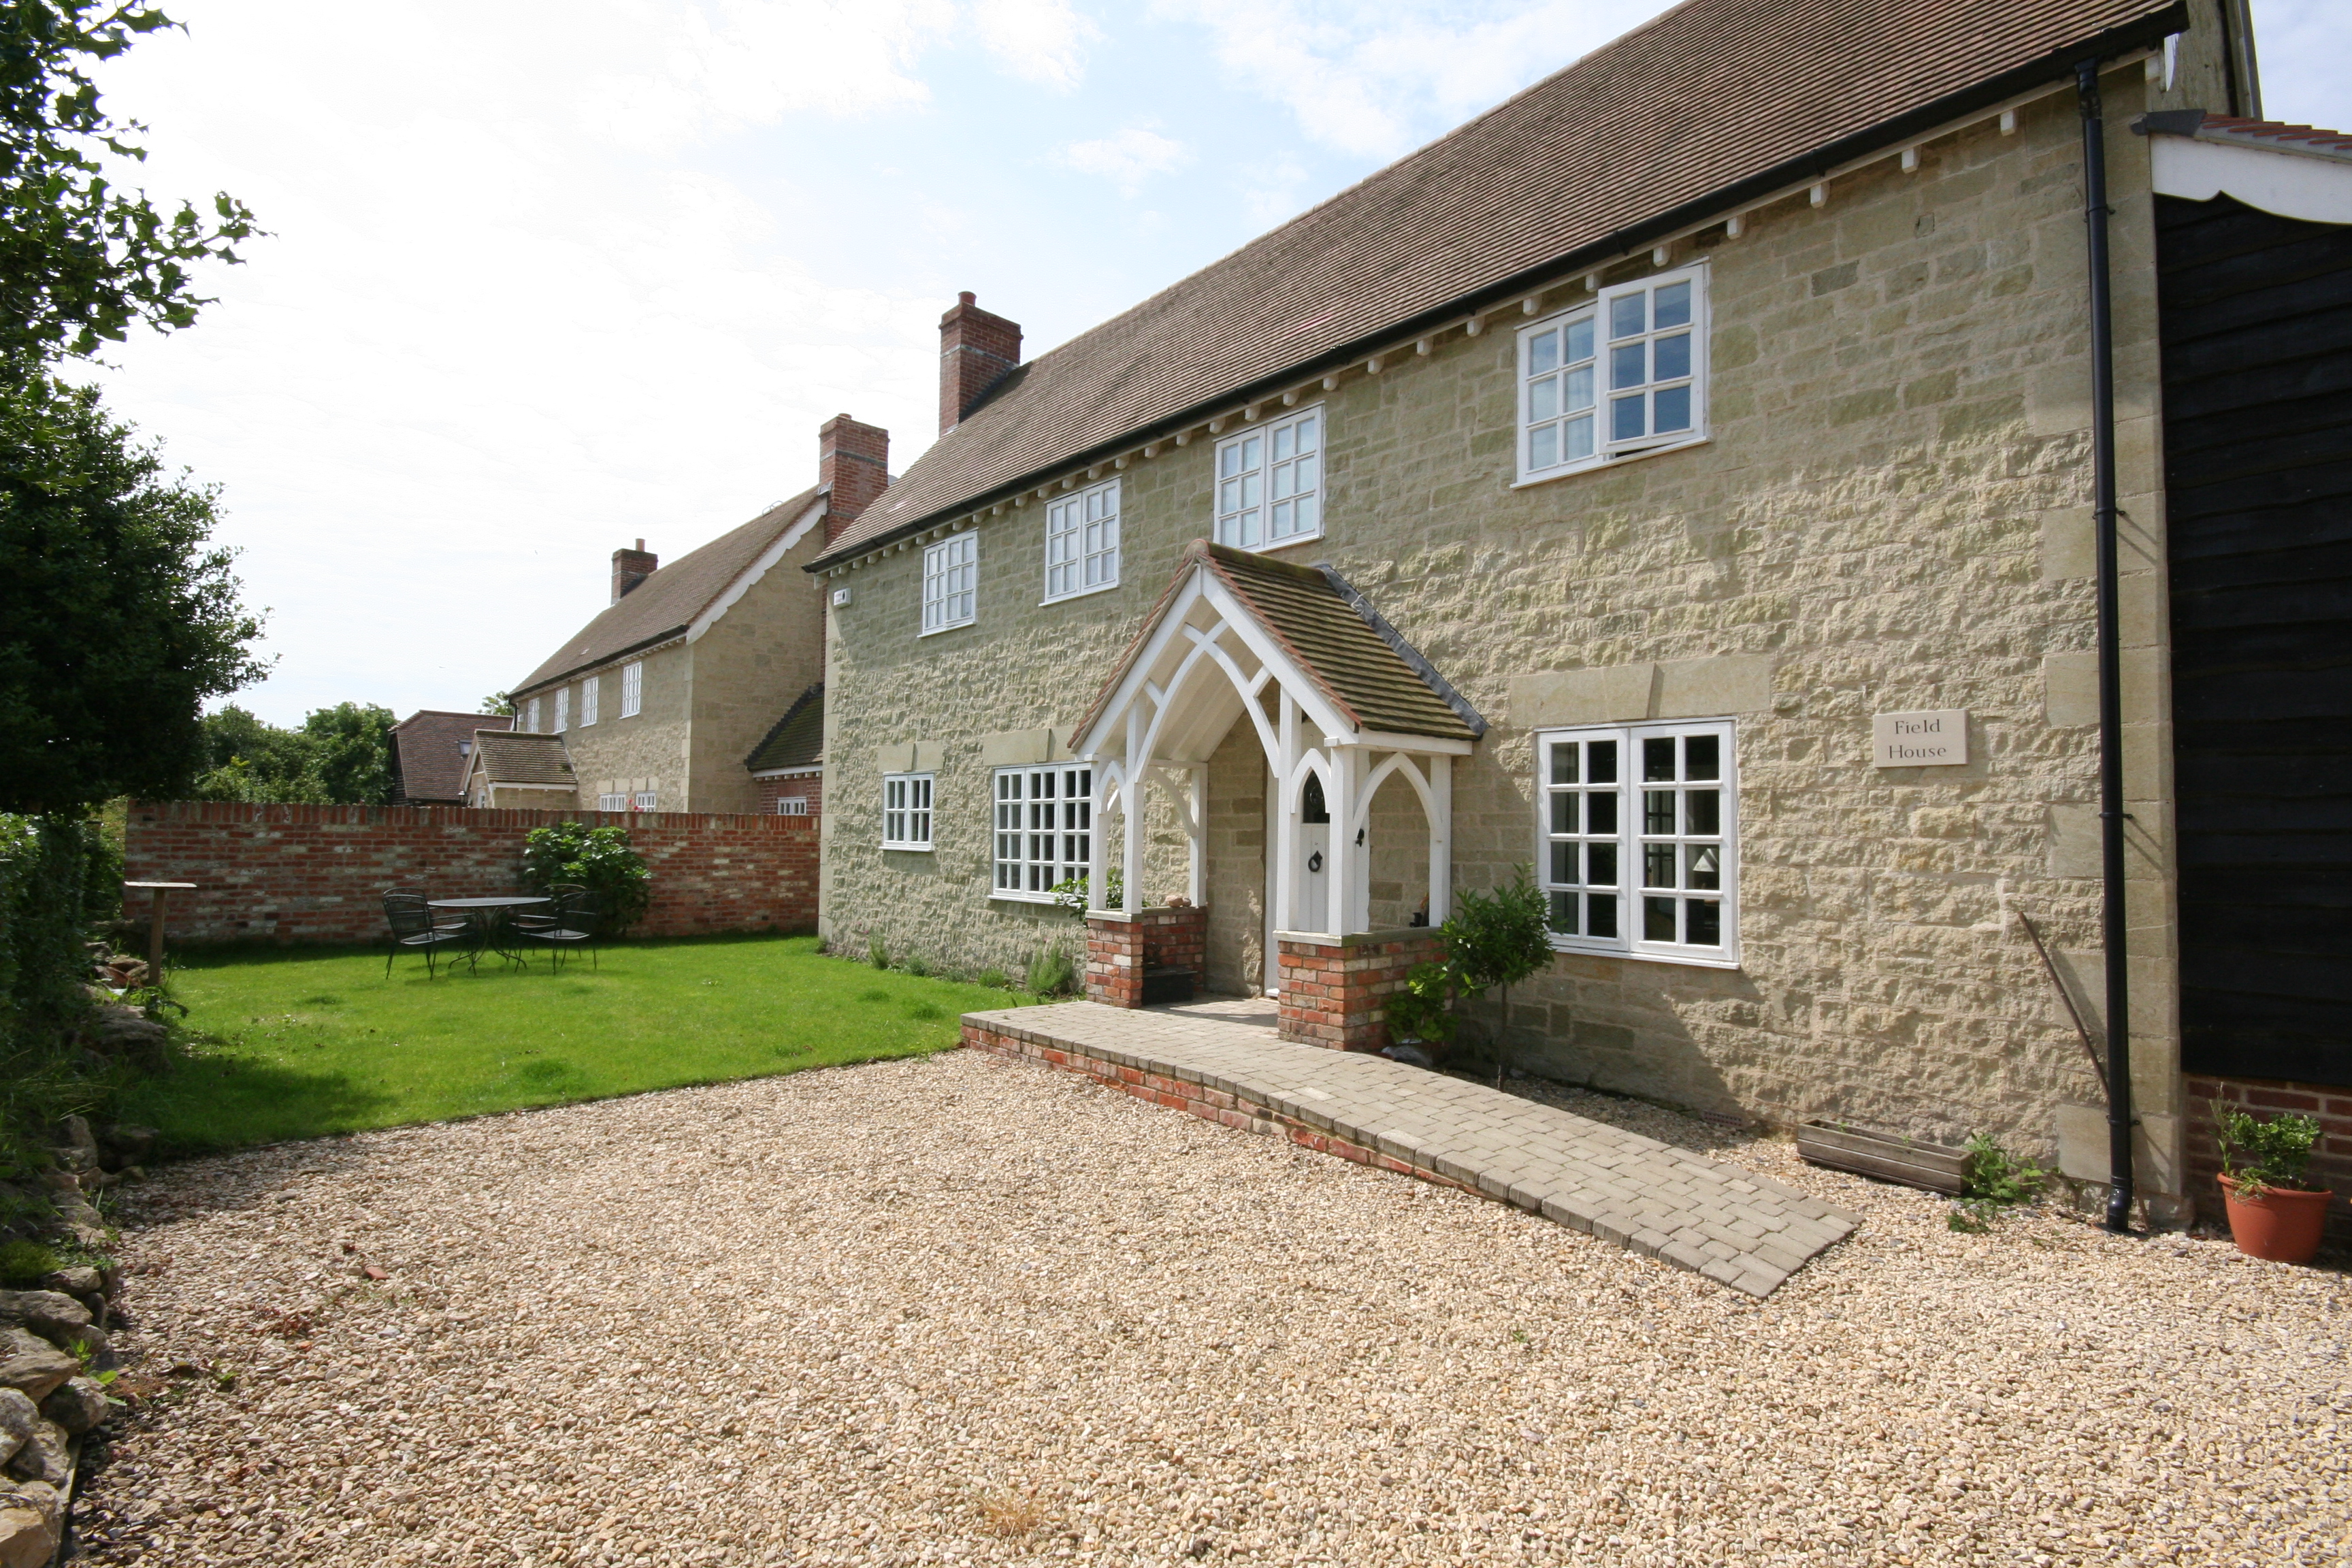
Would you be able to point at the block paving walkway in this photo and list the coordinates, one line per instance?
(1222, 1059)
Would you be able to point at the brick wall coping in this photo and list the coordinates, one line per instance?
(1139, 914)
(1737, 1228)
(1354, 938)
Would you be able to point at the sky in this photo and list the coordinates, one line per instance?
(542, 281)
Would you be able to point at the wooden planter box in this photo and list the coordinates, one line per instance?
(1938, 1167)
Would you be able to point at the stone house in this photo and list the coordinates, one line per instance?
(509, 769)
(787, 766)
(1696, 481)
(432, 750)
(659, 699)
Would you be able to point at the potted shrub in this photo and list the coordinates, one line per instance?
(2274, 1213)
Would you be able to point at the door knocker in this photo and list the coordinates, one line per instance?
(1315, 861)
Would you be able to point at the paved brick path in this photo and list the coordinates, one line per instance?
(1735, 1226)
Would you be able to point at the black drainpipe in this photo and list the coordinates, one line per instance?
(2114, 928)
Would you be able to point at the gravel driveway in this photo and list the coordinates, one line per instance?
(968, 1311)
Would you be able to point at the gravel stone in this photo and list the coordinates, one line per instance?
(967, 1310)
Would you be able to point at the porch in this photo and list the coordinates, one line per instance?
(1223, 1060)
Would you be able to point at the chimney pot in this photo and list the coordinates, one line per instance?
(630, 567)
(853, 462)
(977, 349)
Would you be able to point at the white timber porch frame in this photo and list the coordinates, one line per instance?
(1204, 662)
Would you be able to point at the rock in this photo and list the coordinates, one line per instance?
(44, 1457)
(32, 1515)
(132, 1142)
(81, 1282)
(53, 1315)
(61, 1181)
(117, 1029)
(18, 1417)
(74, 1132)
(32, 1366)
(1411, 1055)
(77, 1404)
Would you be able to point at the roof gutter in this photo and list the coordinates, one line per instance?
(1819, 163)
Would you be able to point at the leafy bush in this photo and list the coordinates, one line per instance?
(1994, 1179)
(1071, 894)
(1492, 939)
(23, 1263)
(1052, 974)
(919, 966)
(60, 883)
(599, 859)
(1420, 1011)
(2274, 1154)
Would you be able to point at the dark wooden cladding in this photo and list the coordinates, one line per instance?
(2257, 331)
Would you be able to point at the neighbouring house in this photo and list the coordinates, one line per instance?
(788, 765)
(660, 697)
(431, 750)
(510, 768)
(1685, 482)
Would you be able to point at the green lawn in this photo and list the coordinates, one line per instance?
(295, 1044)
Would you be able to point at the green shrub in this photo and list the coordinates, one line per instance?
(1994, 1180)
(1071, 894)
(2260, 1155)
(1050, 973)
(878, 952)
(60, 885)
(996, 979)
(919, 966)
(1420, 1011)
(23, 1264)
(599, 859)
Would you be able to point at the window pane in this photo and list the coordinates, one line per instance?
(1625, 314)
(1658, 760)
(1251, 486)
(1284, 444)
(1250, 451)
(1658, 919)
(1563, 763)
(1658, 810)
(1229, 461)
(1306, 428)
(1564, 912)
(1672, 356)
(1229, 496)
(1702, 756)
(1309, 468)
(1706, 918)
(1601, 762)
(1579, 339)
(1310, 511)
(1579, 387)
(1706, 866)
(1657, 865)
(1563, 863)
(1543, 447)
(1673, 306)
(1563, 817)
(1543, 353)
(1600, 914)
(1281, 521)
(1543, 398)
(1625, 418)
(1577, 439)
(1285, 482)
(1627, 363)
(1601, 865)
(1674, 404)
(1601, 812)
(1702, 808)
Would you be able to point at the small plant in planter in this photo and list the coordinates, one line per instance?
(2275, 1212)
(1071, 894)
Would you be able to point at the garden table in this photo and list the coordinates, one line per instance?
(491, 918)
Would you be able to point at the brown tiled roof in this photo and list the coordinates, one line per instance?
(524, 758)
(1369, 673)
(798, 739)
(1714, 103)
(666, 602)
(430, 751)
(2270, 135)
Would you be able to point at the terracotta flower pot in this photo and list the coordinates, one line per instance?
(2281, 1225)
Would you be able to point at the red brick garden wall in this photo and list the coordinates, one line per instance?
(315, 873)
(2331, 1158)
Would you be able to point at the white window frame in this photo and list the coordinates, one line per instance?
(1571, 828)
(1532, 415)
(791, 805)
(613, 802)
(562, 708)
(531, 716)
(1234, 501)
(633, 688)
(591, 694)
(908, 808)
(1082, 542)
(646, 800)
(1041, 828)
(951, 583)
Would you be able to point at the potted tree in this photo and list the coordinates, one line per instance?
(2274, 1213)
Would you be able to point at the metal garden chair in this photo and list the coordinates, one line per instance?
(413, 930)
(574, 927)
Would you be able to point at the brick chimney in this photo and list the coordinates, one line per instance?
(853, 461)
(977, 348)
(630, 567)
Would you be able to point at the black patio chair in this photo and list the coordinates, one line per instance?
(413, 930)
(443, 919)
(547, 916)
(573, 928)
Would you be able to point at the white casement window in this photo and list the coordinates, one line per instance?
(646, 800)
(791, 805)
(1640, 844)
(612, 803)
(1045, 829)
(1082, 542)
(1270, 483)
(589, 691)
(1624, 376)
(906, 811)
(531, 716)
(562, 708)
(633, 689)
(951, 583)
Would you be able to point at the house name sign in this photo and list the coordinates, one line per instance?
(1936, 739)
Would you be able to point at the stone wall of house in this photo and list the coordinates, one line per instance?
(316, 873)
(1892, 513)
(647, 751)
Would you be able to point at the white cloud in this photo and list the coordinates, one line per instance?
(1128, 158)
(1039, 40)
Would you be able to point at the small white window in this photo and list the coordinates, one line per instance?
(589, 691)
(562, 708)
(1624, 376)
(1640, 846)
(1270, 483)
(531, 716)
(612, 803)
(633, 688)
(1082, 542)
(791, 805)
(1045, 829)
(646, 800)
(906, 811)
(950, 583)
